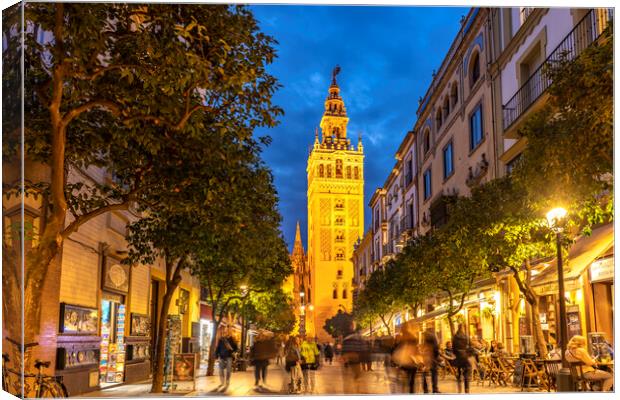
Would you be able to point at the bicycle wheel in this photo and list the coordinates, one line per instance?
(53, 390)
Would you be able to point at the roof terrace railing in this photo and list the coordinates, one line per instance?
(586, 32)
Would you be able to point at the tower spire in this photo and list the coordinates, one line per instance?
(335, 120)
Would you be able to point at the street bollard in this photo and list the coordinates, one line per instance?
(564, 381)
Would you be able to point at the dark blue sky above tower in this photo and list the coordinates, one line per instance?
(387, 56)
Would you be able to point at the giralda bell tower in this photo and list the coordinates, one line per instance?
(335, 211)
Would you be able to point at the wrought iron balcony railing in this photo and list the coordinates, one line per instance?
(585, 32)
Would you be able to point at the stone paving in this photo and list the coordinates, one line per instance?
(329, 381)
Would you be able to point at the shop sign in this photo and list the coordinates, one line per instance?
(115, 276)
(602, 270)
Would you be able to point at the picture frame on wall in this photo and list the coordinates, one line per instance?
(78, 320)
(140, 325)
(115, 276)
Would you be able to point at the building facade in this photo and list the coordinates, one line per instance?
(98, 315)
(335, 211)
(466, 134)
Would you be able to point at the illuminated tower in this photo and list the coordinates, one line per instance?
(335, 211)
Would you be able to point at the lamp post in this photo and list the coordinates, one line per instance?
(302, 314)
(564, 379)
(244, 292)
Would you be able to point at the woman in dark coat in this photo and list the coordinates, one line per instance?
(462, 352)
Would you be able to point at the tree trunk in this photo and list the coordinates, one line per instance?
(173, 277)
(533, 300)
(211, 361)
(451, 323)
(162, 327)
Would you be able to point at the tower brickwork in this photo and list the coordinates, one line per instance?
(335, 211)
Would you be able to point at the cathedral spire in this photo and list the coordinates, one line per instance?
(298, 246)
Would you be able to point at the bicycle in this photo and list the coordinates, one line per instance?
(45, 386)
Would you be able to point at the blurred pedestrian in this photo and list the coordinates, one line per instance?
(352, 348)
(226, 347)
(293, 365)
(329, 353)
(309, 363)
(430, 357)
(261, 351)
(366, 356)
(406, 356)
(462, 352)
(280, 349)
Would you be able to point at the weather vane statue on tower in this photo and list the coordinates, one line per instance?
(335, 72)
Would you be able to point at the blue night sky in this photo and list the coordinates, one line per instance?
(387, 55)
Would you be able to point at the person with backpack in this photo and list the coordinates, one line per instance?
(310, 363)
(226, 347)
(430, 356)
(293, 360)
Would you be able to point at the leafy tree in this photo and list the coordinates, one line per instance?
(271, 310)
(379, 299)
(136, 90)
(254, 255)
(569, 157)
(339, 325)
(504, 222)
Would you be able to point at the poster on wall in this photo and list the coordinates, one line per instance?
(573, 321)
(78, 320)
(140, 325)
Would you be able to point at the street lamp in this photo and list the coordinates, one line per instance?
(564, 379)
(244, 292)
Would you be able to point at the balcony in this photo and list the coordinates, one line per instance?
(580, 38)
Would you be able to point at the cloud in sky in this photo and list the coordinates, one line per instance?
(387, 55)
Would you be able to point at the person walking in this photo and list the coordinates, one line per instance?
(309, 363)
(407, 357)
(329, 353)
(352, 348)
(293, 361)
(430, 357)
(462, 353)
(261, 351)
(226, 347)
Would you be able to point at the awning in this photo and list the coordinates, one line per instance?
(582, 253)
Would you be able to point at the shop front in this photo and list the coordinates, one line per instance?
(588, 284)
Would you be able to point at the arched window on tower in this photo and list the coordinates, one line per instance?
(356, 173)
(454, 95)
(335, 291)
(321, 171)
(338, 168)
(329, 171)
(474, 69)
(446, 107)
(349, 172)
(438, 119)
(427, 141)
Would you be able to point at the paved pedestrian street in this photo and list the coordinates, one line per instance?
(329, 380)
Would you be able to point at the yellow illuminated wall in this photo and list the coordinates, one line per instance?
(335, 212)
